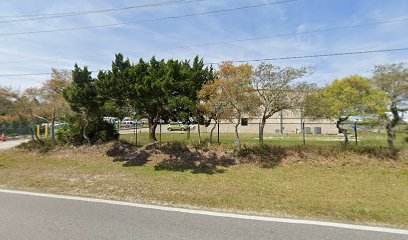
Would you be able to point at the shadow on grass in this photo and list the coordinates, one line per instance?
(268, 156)
(174, 157)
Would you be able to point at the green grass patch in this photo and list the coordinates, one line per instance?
(366, 139)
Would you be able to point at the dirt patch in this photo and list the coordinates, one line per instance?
(120, 149)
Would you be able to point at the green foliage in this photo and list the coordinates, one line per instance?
(393, 80)
(115, 88)
(81, 93)
(15, 128)
(70, 134)
(346, 97)
(99, 131)
(154, 90)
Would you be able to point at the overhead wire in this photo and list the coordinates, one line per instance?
(146, 20)
(80, 13)
(281, 35)
(264, 59)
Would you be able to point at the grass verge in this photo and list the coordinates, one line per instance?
(315, 183)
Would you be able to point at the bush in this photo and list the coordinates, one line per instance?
(42, 145)
(97, 131)
(69, 134)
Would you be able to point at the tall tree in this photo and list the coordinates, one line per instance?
(212, 104)
(184, 100)
(114, 88)
(237, 93)
(151, 92)
(81, 95)
(275, 87)
(343, 98)
(393, 80)
(52, 93)
(166, 90)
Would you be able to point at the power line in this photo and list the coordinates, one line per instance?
(281, 35)
(146, 20)
(316, 55)
(24, 74)
(79, 13)
(263, 59)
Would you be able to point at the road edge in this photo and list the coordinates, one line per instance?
(214, 214)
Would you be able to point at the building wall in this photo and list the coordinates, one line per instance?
(290, 122)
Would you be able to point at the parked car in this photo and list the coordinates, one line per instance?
(128, 123)
(178, 126)
(112, 120)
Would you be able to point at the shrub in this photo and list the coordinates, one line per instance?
(42, 145)
(97, 131)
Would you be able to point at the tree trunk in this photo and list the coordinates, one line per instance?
(35, 127)
(391, 123)
(84, 132)
(199, 133)
(32, 132)
(261, 130)
(212, 130)
(237, 134)
(342, 130)
(53, 124)
(152, 130)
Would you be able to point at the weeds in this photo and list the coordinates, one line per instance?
(42, 145)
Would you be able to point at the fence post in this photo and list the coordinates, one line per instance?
(303, 133)
(38, 131)
(46, 131)
(134, 131)
(355, 131)
(160, 136)
(218, 132)
(136, 135)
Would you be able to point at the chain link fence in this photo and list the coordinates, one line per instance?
(15, 129)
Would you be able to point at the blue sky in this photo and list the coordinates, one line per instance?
(95, 48)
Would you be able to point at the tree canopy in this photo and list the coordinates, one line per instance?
(354, 95)
(392, 79)
(276, 89)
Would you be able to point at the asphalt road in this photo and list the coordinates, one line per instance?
(46, 218)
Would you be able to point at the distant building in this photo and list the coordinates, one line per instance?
(280, 123)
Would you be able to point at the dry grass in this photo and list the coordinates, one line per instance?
(319, 184)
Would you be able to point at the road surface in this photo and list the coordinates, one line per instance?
(48, 217)
(12, 143)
